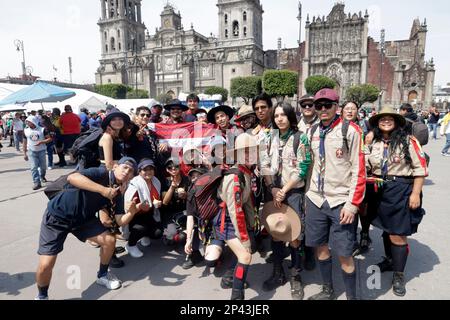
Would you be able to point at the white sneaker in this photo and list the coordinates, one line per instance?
(49, 168)
(145, 242)
(38, 298)
(110, 281)
(134, 251)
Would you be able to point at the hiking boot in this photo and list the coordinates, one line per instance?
(386, 265)
(278, 278)
(37, 186)
(192, 260)
(297, 292)
(398, 284)
(327, 293)
(364, 243)
(237, 294)
(310, 259)
(116, 263)
(227, 280)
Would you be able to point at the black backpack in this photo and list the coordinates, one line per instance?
(56, 187)
(85, 149)
(202, 200)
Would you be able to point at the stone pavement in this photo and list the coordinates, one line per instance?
(159, 276)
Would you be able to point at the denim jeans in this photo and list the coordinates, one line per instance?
(447, 145)
(50, 153)
(18, 139)
(433, 128)
(38, 165)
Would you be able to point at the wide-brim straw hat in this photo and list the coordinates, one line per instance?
(387, 111)
(283, 224)
(244, 111)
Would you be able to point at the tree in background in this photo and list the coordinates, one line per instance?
(363, 93)
(246, 87)
(217, 90)
(137, 94)
(314, 84)
(280, 83)
(115, 91)
(164, 98)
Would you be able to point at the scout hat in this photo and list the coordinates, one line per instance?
(113, 114)
(226, 109)
(387, 111)
(283, 224)
(245, 110)
(176, 103)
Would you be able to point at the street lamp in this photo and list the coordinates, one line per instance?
(299, 51)
(20, 47)
(382, 48)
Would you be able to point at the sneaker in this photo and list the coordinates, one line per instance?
(386, 265)
(37, 186)
(116, 263)
(49, 168)
(297, 291)
(145, 242)
(110, 281)
(44, 180)
(41, 298)
(134, 251)
(327, 293)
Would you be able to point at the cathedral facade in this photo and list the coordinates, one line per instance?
(175, 59)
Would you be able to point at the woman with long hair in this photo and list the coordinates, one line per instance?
(285, 169)
(398, 169)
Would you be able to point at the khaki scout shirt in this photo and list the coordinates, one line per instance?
(305, 127)
(290, 166)
(345, 173)
(242, 220)
(397, 165)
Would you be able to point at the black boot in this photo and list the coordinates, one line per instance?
(192, 260)
(398, 284)
(237, 294)
(297, 291)
(364, 243)
(227, 280)
(327, 293)
(277, 279)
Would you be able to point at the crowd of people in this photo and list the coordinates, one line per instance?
(303, 178)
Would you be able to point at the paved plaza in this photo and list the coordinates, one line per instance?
(159, 276)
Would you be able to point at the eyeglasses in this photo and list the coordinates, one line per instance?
(145, 115)
(307, 105)
(327, 106)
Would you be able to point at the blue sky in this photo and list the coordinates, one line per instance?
(54, 30)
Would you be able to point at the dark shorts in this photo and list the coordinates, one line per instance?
(323, 227)
(54, 233)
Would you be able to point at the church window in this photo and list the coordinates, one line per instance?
(106, 36)
(113, 44)
(233, 70)
(226, 33)
(245, 31)
(118, 34)
(235, 28)
(106, 48)
(245, 15)
(120, 46)
(226, 19)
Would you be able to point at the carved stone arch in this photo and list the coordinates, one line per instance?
(336, 72)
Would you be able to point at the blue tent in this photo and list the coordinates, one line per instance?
(39, 92)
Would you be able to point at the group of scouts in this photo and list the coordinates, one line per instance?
(311, 177)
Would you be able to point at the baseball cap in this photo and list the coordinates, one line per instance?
(129, 161)
(326, 94)
(146, 163)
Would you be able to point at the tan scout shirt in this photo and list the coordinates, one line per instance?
(345, 174)
(288, 165)
(305, 127)
(397, 165)
(242, 220)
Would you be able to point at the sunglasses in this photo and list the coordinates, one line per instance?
(145, 115)
(327, 106)
(307, 105)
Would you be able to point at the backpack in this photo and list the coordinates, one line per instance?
(56, 187)
(85, 148)
(345, 127)
(420, 131)
(202, 200)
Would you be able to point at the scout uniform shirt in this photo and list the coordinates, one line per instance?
(239, 204)
(305, 126)
(289, 166)
(340, 177)
(395, 163)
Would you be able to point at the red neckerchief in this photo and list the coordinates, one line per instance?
(245, 170)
